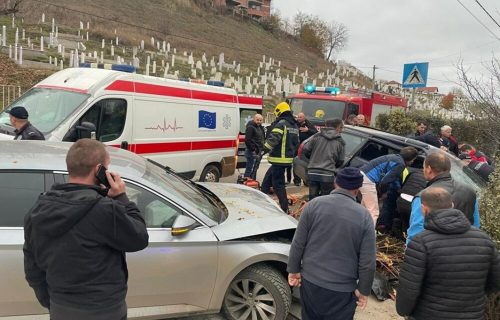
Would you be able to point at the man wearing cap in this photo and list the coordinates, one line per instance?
(332, 257)
(24, 129)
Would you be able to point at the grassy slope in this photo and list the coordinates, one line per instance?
(182, 18)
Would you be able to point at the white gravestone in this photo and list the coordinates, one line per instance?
(41, 43)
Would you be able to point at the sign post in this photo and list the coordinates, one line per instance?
(415, 76)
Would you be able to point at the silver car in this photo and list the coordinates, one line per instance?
(212, 246)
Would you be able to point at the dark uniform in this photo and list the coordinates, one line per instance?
(28, 132)
(282, 144)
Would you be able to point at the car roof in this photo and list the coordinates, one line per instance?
(372, 132)
(51, 156)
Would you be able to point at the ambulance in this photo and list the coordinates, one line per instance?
(193, 128)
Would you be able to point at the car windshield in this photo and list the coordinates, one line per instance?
(179, 188)
(47, 108)
(316, 109)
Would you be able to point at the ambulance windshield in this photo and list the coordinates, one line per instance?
(47, 108)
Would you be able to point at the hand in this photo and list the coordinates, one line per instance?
(362, 300)
(294, 279)
(303, 129)
(444, 148)
(117, 186)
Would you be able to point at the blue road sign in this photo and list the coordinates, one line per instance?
(415, 75)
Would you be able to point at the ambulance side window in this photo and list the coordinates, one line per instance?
(109, 117)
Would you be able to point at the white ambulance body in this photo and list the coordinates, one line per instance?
(192, 128)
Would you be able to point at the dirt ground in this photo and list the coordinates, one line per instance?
(385, 310)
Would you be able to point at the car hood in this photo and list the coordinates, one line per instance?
(250, 212)
(6, 137)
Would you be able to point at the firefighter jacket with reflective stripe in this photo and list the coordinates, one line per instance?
(283, 140)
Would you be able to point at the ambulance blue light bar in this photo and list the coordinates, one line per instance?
(110, 66)
(310, 88)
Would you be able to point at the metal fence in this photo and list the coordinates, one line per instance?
(9, 93)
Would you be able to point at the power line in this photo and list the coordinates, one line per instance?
(477, 19)
(489, 15)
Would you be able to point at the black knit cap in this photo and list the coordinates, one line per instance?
(18, 112)
(349, 178)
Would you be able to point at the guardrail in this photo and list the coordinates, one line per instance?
(8, 93)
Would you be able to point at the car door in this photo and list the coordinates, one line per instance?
(19, 190)
(176, 271)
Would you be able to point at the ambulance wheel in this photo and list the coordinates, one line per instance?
(210, 174)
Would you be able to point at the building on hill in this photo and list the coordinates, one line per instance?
(434, 90)
(256, 9)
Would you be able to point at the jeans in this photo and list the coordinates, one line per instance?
(317, 188)
(388, 209)
(275, 176)
(250, 157)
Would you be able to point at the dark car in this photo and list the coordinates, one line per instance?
(364, 144)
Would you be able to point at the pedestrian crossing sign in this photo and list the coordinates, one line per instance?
(415, 75)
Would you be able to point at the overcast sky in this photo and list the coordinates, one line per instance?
(390, 33)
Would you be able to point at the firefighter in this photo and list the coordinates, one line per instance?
(281, 143)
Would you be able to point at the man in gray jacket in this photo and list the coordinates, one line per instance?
(332, 257)
(326, 153)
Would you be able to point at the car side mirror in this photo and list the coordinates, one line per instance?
(182, 225)
(86, 130)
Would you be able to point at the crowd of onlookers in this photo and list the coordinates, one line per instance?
(449, 263)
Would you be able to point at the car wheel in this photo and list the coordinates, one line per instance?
(210, 174)
(258, 293)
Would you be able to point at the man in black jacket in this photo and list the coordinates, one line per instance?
(76, 236)
(306, 130)
(254, 143)
(24, 130)
(449, 267)
(326, 152)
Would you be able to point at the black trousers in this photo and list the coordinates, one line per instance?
(275, 177)
(115, 312)
(317, 188)
(322, 304)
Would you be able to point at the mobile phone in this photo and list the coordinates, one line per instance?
(101, 176)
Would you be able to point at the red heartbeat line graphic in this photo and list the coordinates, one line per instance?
(166, 127)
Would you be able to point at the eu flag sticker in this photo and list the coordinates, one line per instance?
(206, 119)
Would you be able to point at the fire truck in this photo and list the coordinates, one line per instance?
(321, 103)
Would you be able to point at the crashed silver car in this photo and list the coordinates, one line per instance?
(212, 246)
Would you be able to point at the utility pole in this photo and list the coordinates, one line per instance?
(373, 77)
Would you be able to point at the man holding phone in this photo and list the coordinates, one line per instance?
(76, 236)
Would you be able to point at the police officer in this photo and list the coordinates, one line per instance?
(281, 143)
(24, 129)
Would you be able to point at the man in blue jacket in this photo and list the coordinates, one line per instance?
(381, 172)
(437, 173)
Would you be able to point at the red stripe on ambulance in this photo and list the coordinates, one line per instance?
(181, 146)
(154, 89)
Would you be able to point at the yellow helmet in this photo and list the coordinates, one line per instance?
(280, 108)
(319, 113)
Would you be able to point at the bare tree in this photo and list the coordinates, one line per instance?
(484, 93)
(337, 36)
(9, 6)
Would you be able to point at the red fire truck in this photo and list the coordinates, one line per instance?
(321, 103)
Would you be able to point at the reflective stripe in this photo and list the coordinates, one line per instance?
(279, 160)
(277, 130)
(283, 143)
(406, 172)
(268, 146)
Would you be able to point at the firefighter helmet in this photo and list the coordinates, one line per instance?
(319, 113)
(280, 108)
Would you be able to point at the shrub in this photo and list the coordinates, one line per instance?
(469, 131)
(489, 208)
